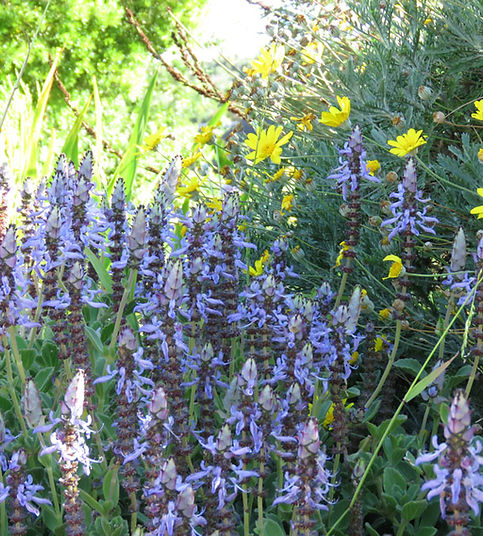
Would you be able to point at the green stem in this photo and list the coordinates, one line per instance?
(343, 282)
(260, 492)
(16, 353)
(97, 435)
(446, 321)
(425, 420)
(134, 514)
(389, 365)
(13, 394)
(53, 489)
(122, 305)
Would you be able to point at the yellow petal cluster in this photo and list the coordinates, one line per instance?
(266, 144)
(335, 117)
(268, 61)
(287, 203)
(406, 143)
(478, 210)
(373, 166)
(396, 269)
(479, 110)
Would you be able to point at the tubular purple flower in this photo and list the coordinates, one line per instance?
(458, 479)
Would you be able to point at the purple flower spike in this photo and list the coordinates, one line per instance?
(458, 480)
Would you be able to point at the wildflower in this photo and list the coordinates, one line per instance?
(458, 480)
(312, 53)
(427, 21)
(479, 113)
(192, 186)
(373, 166)
(335, 117)
(406, 216)
(396, 269)
(259, 264)
(378, 344)
(384, 314)
(407, 143)
(340, 257)
(478, 210)
(304, 122)
(151, 141)
(205, 135)
(187, 162)
(329, 416)
(480, 155)
(214, 204)
(269, 60)
(265, 143)
(287, 203)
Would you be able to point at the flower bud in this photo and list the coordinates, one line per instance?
(186, 501)
(76, 276)
(32, 404)
(158, 405)
(224, 439)
(168, 474)
(409, 178)
(267, 399)
(74, 395)
(169, 182)
(127, 340)
(458, 256)
(392, 176)
(439, 117)
(425, 92)
(459, 418)
(293, 393)
(8, 247)
(309, 442)
(173, 287)
(52, 227)
(137, 238)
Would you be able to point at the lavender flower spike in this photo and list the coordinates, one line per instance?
(458, 482)
(406, 216)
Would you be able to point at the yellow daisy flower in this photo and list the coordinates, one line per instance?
(304, 122)
(287, 203)
(269, 60)
(192, 186)
(397, 269)
(187, 162)
(265, 144)
(373, 166)
(479, 113)
(259, 264)
(340, 257)
(312, 53)
(335, 117)
(480, 155)
(151, 141)
(385, 314)
(478, 210)
(329, 416)
(406, 143)
(205, 135)
(214, 204)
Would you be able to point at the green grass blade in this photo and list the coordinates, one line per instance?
(49, 160)
(128, 164)
(71, 144)
(31, 149)
(98, 154)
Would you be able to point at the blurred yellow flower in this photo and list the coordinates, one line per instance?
(265, 143)
(276, 175)
(329, 416)
(292, 221)
(396, 268)
(304, 122)
(406, 143)
(192, 186)
(191, 159)
(354, 357)
(479, 113)
(340, 257)
(373, 166)
(385, 314)
(268, 61)
(205, 135)
(312, 53)
(259, 264)
(427, 21)
(480, 155)
(335, 117)
(478, 210)
(151, 141)
(287, 203)
(214, 204)
(378, 344)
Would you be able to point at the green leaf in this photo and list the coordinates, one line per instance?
(444, 412)
(128, 164)
(42, 378)
(50, 517)
(98, 156)
(100, 270)
(89, 500)
(393, 479)
(270, 527)
(30, 168)
(219, 114)
(415, 390)
(378, 431)
(413, 509)
(409, 365)
(110, 486)
(370, 530)
(50, 353)
(94, 339)
(427, 531)
(28, 357)
(71, 144)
